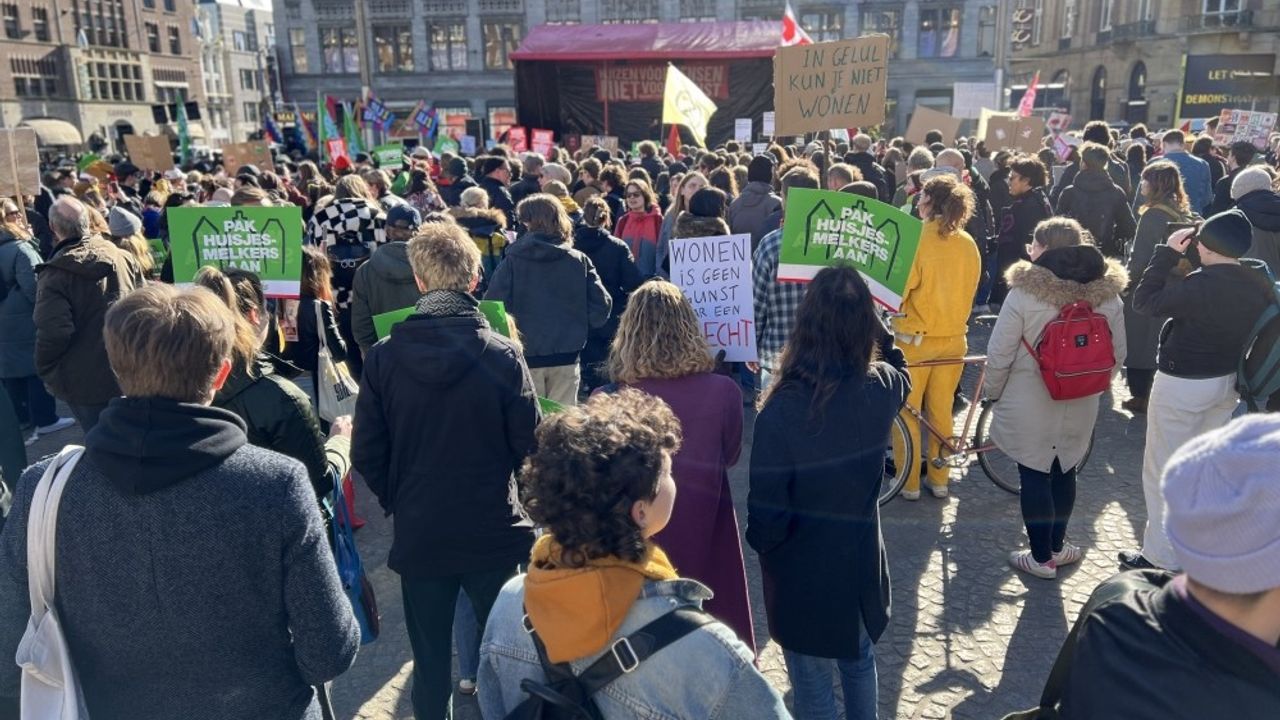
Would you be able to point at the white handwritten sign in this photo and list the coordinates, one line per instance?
(742, 130)
(767, 122)
(714, 273)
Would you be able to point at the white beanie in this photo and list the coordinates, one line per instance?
(1222, 506)
(1249, 180)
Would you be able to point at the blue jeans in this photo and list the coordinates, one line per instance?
(813, 697)
(466, 637)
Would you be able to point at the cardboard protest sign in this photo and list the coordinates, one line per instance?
(264, 240)
(823, 228)
(150, 152)
(494, 311)
(1024, 134)
(1058, 122)
(20, 162)
(254, 152)
(984, 116)
(714, 273)
(390, 155)
(1245, 126)
(608, 142)
(968, 98)
(518, 139)
(924, 119)
(336, 147)
(742, 130)
(544, 142)
(467, 144)
(767, 124)
(1062, 145)
(838, 84)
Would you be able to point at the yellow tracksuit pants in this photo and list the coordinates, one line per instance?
(933, 394)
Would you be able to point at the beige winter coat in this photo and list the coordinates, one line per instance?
(1029, 426)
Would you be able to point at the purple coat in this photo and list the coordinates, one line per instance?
(702, 538)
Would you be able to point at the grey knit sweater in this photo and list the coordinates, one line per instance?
(212, 596)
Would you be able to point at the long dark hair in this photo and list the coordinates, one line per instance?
(837, 333)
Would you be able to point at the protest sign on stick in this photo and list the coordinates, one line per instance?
(390, 155)
(767, 124)
(742, 130)
(924, 119)
(255, 152)
(1023, 134)
(518, 139)
(968, 98)
(824, 228)
(1249, 126)
(544, 142)
(838, 84)
(263, 240)
(19, 163)
(150, 152)
(714, 273)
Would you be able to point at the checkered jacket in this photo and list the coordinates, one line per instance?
(776, 303)
(349, 230)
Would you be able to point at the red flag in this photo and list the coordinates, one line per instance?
(1029, 98)
(673, 141)
(792, 33)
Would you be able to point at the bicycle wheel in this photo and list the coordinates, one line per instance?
(895, 461)
(1002, 469)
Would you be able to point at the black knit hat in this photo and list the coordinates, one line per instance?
(760, 169)
(1227, 233)
(489, 164)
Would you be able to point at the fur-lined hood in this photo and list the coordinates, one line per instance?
(497, 216)
(689, 225)
(1066, 275)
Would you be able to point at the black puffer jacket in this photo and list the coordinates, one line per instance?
(617, 270)
(1102, 208)
(873, 173)
(452, 193)
(1021, 217)
(500, 198)
(1262, 207)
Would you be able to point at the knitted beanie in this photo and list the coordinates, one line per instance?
(1249, 180)
(122, 223)
(1229, 233)
(1221, 504)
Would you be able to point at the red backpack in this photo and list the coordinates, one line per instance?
(1074, 352)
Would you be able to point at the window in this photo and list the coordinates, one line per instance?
(939, 33)
(501, 37)
(1146, 10)
(251, 112)
(12, 29)
(338, 50)
(501, 118)
(153, 37)
(448, 45)
(1068, 18)
(564, 12)
(149, 4)
(175, 41)
(1098, 94)
(986, 31)
(298, 49)
(888, 22)
(823, 24)
(1220, 12)
(1138, 81)
(628, 11)
(114, 81)
(453, 120)
(697, 11)
(1027, 23)
(248, 79)
(239, 41)
(40, 23)
(170, 6)
(34, 77)
(393, 47)
(1104, 19)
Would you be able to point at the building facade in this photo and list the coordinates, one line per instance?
(86, 73)
(454, 53)
(238, 61)
(1123, 60)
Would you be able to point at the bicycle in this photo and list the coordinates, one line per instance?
(955, 451)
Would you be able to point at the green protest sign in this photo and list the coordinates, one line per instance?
(390, 155)
(446, 144)
(264, 240)
(494, 311)
(823, 228)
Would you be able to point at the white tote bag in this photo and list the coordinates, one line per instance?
(50, 690)
(337, 389)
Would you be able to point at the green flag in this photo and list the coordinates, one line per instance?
(184, 134)
(350, 131)
(321, 126)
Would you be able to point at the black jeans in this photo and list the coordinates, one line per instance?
(31, 401)
(1006, 255)
(428, 614)
(1139, 381)
(1047, 501)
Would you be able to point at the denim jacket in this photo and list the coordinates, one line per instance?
(708, 673)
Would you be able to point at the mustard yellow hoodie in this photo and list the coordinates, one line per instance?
(941, 286)
(576, 611)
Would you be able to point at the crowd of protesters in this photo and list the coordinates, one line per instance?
(560, 495)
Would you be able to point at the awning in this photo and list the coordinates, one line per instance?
(52, 131)
(651, 41)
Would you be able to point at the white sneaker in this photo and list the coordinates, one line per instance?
(31, 439)
(59, 424)
(467, 686)
(939, 491)
(1022, 560)
(1067, 555)
(910, 494)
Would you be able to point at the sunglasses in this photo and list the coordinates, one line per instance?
(635, 194)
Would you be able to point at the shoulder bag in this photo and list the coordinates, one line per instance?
(337, 390)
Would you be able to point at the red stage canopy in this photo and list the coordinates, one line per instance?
(651, 41)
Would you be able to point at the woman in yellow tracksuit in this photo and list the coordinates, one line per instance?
(935, 317)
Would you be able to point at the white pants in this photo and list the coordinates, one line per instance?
(1179, 409)
(559, 383)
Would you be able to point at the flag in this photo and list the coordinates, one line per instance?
(184, 132)
(673, 141)
(1029, 97)
(427, 119)
(350, 131)
(269, 125)
(792, 33)
(377, 113)
(326, 128)
(305, 137)
(684, 103)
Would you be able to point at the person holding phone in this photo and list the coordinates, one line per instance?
(1211, 312)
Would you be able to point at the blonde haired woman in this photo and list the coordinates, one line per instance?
(691, 183)
(659, 349)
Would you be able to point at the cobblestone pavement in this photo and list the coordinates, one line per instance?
(968, 638)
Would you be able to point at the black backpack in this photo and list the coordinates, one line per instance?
(565, 696)
(1258, 373)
